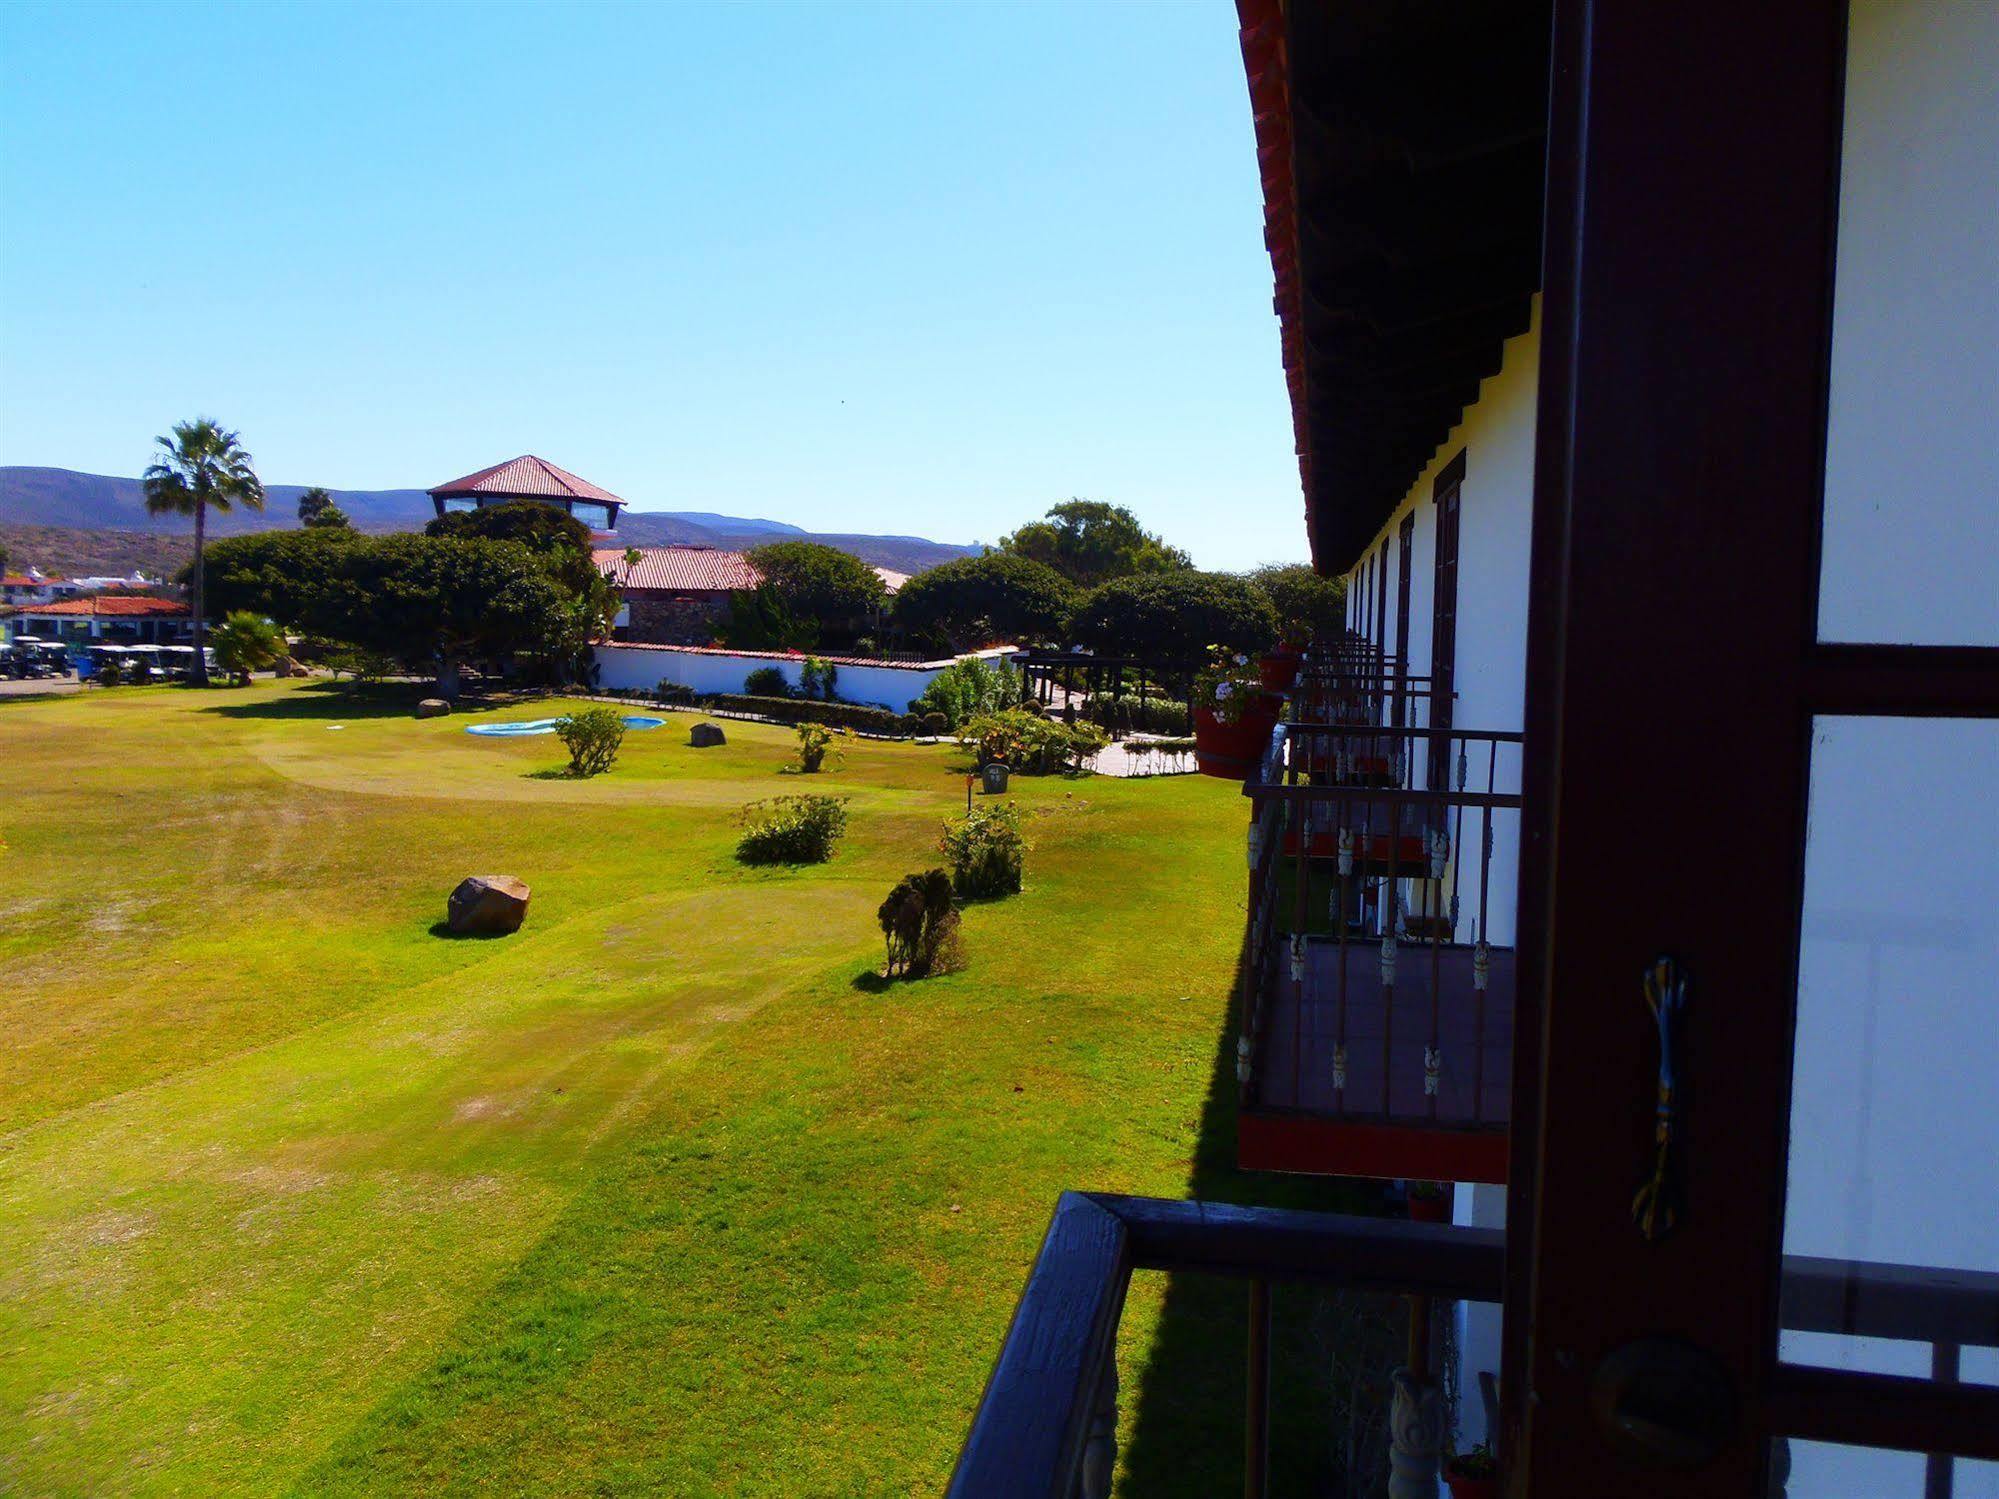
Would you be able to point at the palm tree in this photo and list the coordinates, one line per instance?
(201, 468)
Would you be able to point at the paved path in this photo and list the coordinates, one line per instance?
(31, 687)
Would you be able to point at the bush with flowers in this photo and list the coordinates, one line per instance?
(1229, 686)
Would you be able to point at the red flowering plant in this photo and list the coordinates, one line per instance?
(1228, 686)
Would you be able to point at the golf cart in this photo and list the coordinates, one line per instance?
(23, 657)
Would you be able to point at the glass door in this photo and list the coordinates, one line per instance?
(1754, 1202)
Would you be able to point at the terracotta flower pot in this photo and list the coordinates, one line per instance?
(1278, 670)
(1232, 751)
(1472, 1488)
(1430, 1209)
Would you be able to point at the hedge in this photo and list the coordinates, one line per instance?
(834, 715)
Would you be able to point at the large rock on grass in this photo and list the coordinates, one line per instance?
(488, 904)
(433, 707)
(705, 736)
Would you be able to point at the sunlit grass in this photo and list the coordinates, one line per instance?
(651, 1197)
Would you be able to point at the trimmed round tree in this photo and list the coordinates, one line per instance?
(830, 588)
(1175, 616)
(986, 600)
(1307, 602)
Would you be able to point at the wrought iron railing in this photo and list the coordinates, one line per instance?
(1046, 1427)
(1387, 838)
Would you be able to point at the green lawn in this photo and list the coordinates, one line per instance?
(661, 1194)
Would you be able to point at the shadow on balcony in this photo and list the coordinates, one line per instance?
(1184, 1387)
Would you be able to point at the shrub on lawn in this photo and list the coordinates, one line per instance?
(246, 642)
(1030, 745)
(814, 740)
(986, 851)
(670, 691)
(592, 736)
(969, 688)
(816, 678)
(766, 681)
(921, 927)
(792, 829)
(110, 671)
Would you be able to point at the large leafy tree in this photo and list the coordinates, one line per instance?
(819, 586)
(422, 600)
(975, 601)
(282, 575)
(558, 539)
(201, 467)
(1089, 542)
(1307, 602)
(1175, 617)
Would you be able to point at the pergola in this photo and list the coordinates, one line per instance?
(531, 478)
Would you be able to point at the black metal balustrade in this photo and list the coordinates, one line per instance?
(1374, 992)
(1046, 1426)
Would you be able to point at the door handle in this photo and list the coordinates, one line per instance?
(1664, 1403)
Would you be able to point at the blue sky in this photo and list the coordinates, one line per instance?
(916, 268)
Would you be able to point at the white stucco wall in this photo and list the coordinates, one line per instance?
(627, 667)
(1495, 527)
(1912, 452)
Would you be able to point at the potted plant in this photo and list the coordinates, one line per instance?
(1429, 1202)
(1473, 1474)
(1233, 716)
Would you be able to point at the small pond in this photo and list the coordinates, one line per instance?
(532, 726)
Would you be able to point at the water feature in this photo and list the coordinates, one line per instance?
(527, 728)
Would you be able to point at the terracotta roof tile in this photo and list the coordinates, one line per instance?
(679, 569)
(527, 475)
(113, 605)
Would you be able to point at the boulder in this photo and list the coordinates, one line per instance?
(487, 903)
(433, 707)
(705, 735)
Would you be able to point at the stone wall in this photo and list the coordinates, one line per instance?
(659, 617)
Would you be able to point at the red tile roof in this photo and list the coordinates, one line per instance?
(526, 475)
(113, 605)
(22, 580)
(679, 569)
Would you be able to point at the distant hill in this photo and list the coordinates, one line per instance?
(72, 552)
(75, 503)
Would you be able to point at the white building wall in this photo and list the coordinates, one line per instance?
(1495, 526)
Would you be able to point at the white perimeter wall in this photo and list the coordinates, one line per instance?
(637, 667)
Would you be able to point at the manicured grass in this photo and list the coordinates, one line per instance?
(662, 1194)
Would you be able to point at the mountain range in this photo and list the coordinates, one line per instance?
(75, 502)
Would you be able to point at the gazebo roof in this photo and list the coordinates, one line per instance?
(525, 477)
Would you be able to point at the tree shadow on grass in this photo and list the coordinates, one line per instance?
(1187, 1403)
(307, 706)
